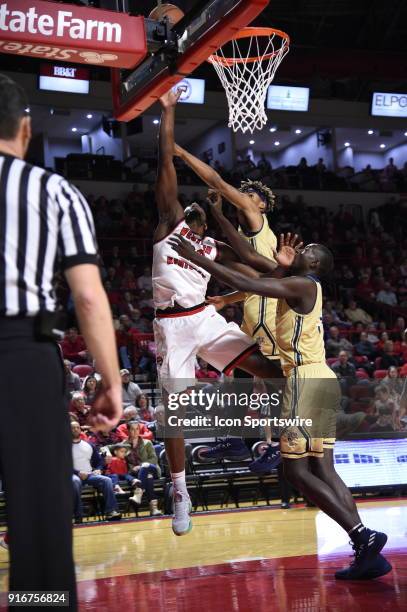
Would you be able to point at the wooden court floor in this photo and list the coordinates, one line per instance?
(236, 561)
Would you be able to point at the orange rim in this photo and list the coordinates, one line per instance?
(248, 33)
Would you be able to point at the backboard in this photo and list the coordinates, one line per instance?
(174, 52)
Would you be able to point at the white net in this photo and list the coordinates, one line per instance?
(247, 75)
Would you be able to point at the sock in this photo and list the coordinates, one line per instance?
(359, 534)
(178, 480)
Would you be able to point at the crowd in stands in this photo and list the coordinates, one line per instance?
(364, 312)
(107, 460)
(303, 175)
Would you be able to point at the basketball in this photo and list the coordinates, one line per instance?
(171, 11)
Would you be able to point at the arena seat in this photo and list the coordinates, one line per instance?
(379, 374)
(360, 359)
(83, 370)
(362, 374)
(331, 360)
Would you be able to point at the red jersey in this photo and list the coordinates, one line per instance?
(117, 466)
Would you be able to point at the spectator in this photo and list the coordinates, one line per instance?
(335, 343)
(79, 409)
(130, 414)
(355, 314)
(345, 372)
(387, 295)
(90, 389)
(143, 464)
(364, 347)
(118, 470)
(203, 372)
(88, 465)
(130, 391)
(393, 381)
(102, 439)
(365, 288)
(129, 282)
(384, 422)
(144, 411)
(372, 334)
(73, 346)
(140, 323)
(388, 358)
(230, 314)
(144, 282)
(125, 341)
(72, 380)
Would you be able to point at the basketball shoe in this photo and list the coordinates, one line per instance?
(366, 563)
(267, 461)
(181, 521)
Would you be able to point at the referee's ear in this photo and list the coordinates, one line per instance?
(24, 134)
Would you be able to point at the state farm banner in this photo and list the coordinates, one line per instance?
(72, 33)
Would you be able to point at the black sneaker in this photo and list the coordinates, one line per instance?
(268, 461)
(366, 559)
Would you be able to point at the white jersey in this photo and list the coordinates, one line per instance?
(176, 280)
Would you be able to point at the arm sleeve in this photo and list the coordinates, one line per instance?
(76, 239)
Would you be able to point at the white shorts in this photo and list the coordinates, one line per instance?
(206, 334)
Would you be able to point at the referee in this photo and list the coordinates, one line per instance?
(45, 225)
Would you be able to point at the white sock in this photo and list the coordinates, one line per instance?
(178, 480)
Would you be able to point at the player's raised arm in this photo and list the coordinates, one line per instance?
(170, 210)
(295, 289)
(248, 255)
(213, 179)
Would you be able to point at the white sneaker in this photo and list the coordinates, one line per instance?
(119, 490)
(137, 495)
(181, 521)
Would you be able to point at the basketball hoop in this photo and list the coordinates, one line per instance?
(247, 74)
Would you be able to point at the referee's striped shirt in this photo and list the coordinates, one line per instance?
(45, 225)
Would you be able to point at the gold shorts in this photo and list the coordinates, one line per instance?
(312, 394)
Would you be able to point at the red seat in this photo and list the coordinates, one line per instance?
(360, 359)
(380, 373)
(362, 374)
(83, 370)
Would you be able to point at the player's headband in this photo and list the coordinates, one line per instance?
(260, 194)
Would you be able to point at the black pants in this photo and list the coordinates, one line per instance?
(36, 461)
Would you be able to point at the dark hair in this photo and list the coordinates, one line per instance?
(262, 191)
(137, 402)
(13, 106)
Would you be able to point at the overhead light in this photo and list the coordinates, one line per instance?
(370, 132)
(298, 131)
(252, 141)
(405, 133)
(27, 110)
(277, 142)
(89, 116)
(51, 111)
(273, 129)
(382, 146)
(156, 121)
(347, 144)
(74, 129)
